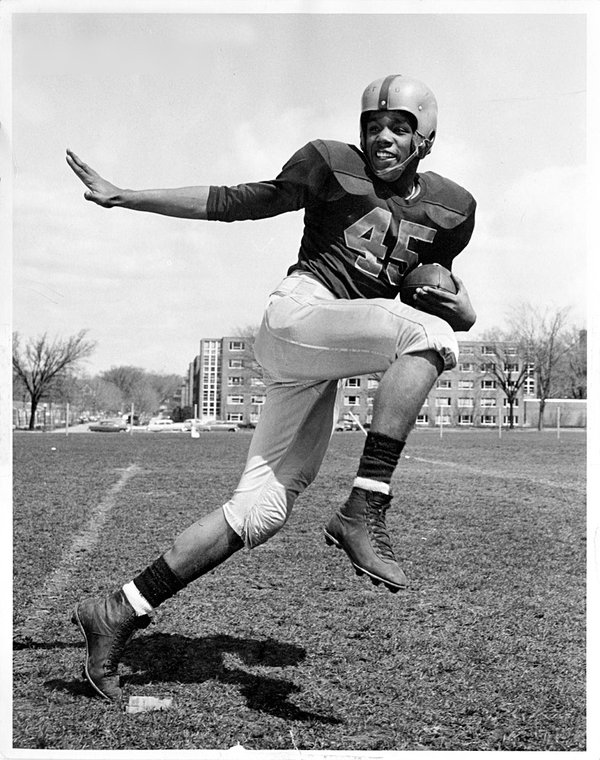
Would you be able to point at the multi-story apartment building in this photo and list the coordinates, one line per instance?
(489, 384)
(225, 383)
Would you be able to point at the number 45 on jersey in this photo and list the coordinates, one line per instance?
(366, 237)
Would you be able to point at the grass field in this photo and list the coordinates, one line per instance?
(284, 648)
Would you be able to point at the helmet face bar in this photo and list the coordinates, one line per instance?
(400, 93)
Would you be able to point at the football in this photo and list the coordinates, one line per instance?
(432, 275)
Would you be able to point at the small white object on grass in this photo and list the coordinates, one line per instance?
(147, 704)
(53, 448)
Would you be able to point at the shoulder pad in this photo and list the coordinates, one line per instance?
(348, 165)
(448, 204)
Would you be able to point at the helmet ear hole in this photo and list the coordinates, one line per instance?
(430, 141)
(426, 145)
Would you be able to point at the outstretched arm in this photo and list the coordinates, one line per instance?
(186, 202)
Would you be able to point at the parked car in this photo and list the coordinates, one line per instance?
(218, 425)
(342, 426)
(164, 426)
(188, 424)
(109, 426)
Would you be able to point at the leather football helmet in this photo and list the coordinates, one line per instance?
(402, 93)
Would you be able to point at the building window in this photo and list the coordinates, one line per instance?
(370, 400)
(443, 401)
(466, 403)
(487, 402)
(372, 383)
(465, 384)
(466, 367)
(257, 382)
(444, 384)
(257, 400)
(506, 419)
(352, 382)
(234, 380)
(351, 400)
(236, 364)
(488, 350)
(529, 387)
(465, 419)
(489, 367)
(511, 367)
(488, 385)
(236, 345)
(235, 417)
(422, 419)
(443, 419)
(235, 399)
(488, 419)
(515, 403)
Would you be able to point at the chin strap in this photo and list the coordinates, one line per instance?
(393, 173)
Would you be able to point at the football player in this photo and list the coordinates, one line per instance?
(369, 218)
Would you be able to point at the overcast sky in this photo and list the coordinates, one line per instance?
(173, 99)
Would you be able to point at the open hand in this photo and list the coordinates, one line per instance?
(99, 190)
(454, 308)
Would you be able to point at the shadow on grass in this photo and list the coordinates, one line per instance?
(174, 658)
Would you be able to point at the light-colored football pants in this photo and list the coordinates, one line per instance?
(308, 341)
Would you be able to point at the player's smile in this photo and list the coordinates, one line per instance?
(386, 156)
(388, 138)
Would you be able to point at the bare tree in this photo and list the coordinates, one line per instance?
(248, 332)
(165, 386)
(134, 386)
(544, 338)
(100, 396)
(40, 363)
(571, 376)
(145, 390)
(505, 361)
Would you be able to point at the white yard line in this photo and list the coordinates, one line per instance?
(56, 583)
(577, 487)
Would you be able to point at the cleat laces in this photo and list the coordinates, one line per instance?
(122, 635)
(375, 518)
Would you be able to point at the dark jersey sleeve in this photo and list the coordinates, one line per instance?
(292, 189)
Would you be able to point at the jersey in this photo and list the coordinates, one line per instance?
(360, 238)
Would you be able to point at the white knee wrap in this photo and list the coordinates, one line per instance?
(262, 520)
(433, 333)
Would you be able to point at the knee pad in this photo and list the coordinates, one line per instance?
(435, 334)
(263, 519)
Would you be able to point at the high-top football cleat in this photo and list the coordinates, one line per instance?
(107, 626)
(359, 529)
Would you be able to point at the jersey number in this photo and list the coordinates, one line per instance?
(366, 236)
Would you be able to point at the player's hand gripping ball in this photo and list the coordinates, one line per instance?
(430, 275)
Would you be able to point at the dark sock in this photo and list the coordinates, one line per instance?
(379, 458)
(158, 582)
